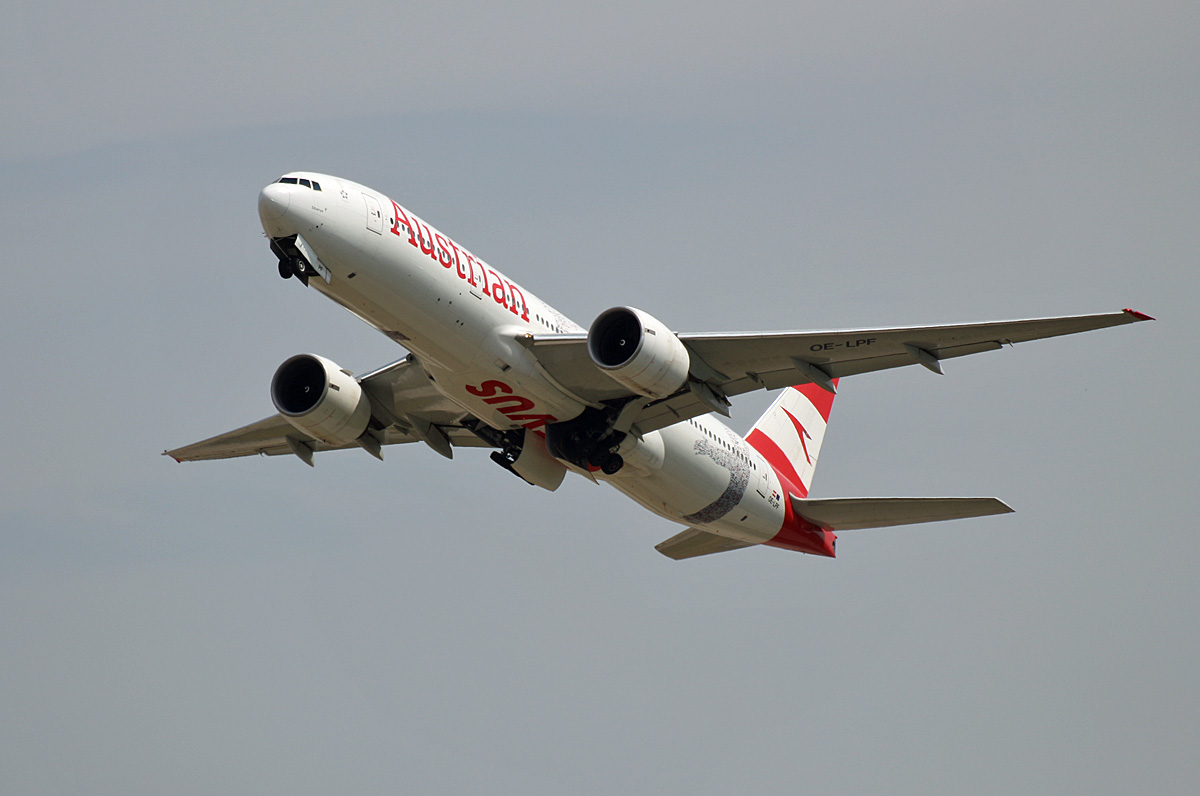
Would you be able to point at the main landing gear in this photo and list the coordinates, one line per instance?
(587, 441)
(611, 464)
(583, 442)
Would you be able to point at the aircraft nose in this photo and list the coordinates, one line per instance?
(273, 201)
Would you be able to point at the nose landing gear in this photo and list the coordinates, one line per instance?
(291, 262)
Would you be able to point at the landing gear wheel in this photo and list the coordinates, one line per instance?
(612, 464)
(285, 269)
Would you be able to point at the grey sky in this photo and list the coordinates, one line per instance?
(437, 627)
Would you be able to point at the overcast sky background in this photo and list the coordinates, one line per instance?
(425, 626)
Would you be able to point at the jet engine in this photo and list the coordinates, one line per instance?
(638, 352)
(320, 399)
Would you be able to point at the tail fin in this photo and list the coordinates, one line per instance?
(790, 432)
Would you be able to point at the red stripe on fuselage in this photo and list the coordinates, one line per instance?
(801, 535)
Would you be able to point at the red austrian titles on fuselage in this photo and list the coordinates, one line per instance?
(444, 251)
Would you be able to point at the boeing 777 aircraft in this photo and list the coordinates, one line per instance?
(626, 401)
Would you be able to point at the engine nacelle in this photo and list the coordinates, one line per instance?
(637, 351)
(320, 399)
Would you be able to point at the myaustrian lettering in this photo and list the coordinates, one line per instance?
(514, 407)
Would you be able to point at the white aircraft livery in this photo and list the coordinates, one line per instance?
(626, 401)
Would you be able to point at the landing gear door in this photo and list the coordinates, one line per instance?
(313, 260)
(374, 214)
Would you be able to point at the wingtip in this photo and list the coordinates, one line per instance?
(1140, 316)
(664, 549)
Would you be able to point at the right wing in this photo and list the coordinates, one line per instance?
(416, 413)
(726, 364)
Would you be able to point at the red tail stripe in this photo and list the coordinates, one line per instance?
(822, 400)
(777, 459)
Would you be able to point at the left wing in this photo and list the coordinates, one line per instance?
(415, 412)
(728, 364)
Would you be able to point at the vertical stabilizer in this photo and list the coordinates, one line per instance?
(790, 432)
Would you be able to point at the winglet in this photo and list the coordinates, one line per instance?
(1140, 316)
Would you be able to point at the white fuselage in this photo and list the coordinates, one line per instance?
(463, 320)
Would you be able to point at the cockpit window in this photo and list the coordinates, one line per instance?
(316, 186)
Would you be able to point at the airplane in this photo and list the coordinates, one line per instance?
(627, 401)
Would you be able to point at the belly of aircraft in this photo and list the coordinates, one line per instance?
(698, 487)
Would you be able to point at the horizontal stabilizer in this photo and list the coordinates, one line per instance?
(851, 514)
(695, 542)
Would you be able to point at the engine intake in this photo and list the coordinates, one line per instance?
(320, 399)
(638, 352)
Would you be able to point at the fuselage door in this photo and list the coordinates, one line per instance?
(374, 214)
